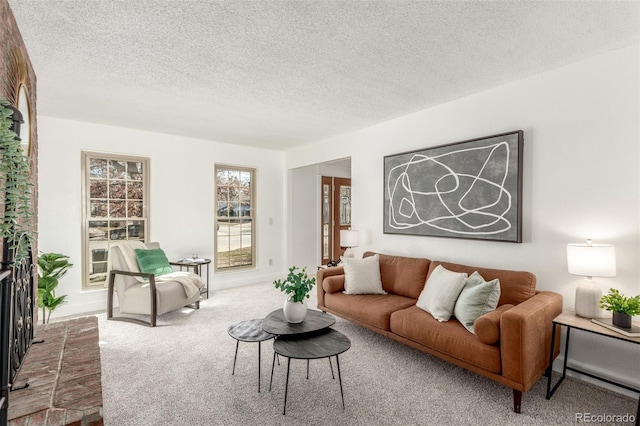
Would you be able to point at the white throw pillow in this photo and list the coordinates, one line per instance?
(362, 276)
(441, 292)
(478, 297)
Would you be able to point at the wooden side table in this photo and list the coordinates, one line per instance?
(570, 320)
(196, 270)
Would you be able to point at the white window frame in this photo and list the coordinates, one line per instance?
(130, 227)
(240, 214)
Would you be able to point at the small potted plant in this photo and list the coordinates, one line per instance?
(52, 267)
(623, 307)
(296, 286)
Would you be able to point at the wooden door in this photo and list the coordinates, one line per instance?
(326, 223)
(336, 215)
(341, 212)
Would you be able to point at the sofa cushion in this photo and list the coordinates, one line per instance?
(372, 309)
(515, 286)
(487, 327)
(441, 292)
(450, 338)
(404, 276)
(362, 276)
(478, 297)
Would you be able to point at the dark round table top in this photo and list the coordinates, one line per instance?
(320, 345)
(249, 331)
(276, 323)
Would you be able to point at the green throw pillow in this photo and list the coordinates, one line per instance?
(153, 261)
(477, 298)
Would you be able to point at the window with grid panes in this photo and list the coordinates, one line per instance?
(115, 191)
(235, 213)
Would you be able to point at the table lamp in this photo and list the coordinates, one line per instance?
(348, 239)
(590, 260)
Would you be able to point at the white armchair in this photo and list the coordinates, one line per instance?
(142, 293)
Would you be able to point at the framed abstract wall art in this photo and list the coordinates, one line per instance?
(470, 189)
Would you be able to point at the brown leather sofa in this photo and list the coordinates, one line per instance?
(511, 344)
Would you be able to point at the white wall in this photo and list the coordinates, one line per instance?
(304, 218)
(181, 199)
(581, 179)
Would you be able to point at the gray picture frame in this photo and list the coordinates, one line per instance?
(470, 189)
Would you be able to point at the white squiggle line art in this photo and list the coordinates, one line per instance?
(405, 208)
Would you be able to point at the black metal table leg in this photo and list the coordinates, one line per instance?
(286, 387)
(564, 367)
(259, 358)
(331, 366)
(340, 380)
(235, 357)
(307, 369)
(273, 364)
(550, 368)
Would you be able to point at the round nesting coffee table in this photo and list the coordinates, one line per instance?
(310, 339)
(314, 322)
(276, 323)
(314, 346)
(249, 331)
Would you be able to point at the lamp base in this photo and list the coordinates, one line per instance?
(588, 296)
(349, 253)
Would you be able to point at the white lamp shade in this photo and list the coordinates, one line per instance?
(348, 238)
(591, 260)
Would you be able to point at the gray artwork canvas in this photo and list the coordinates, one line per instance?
(469, 189)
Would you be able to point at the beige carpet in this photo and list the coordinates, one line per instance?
(179, 373)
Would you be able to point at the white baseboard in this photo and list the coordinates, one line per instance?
(72, 310)
(227, 282)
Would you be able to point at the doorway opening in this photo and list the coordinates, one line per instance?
(335, 216)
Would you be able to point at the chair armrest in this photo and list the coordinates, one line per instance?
(320, 276)
(132, 274)
(152, 292)
(525, 337)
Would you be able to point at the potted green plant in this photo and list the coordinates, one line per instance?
(52, 267)
(623, 307)
(296, 286)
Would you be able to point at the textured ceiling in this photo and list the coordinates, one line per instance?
(279, 74)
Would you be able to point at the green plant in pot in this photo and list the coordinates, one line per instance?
(296, 286)
(623, 307)
(52, 267)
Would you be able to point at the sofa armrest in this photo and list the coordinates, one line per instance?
(320, 276)
(525, 337)
(487, 326)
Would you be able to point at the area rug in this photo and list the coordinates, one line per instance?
(179, 373)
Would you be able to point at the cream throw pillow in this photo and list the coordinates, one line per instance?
(441, 292)
(362, 276)
(477, 298)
